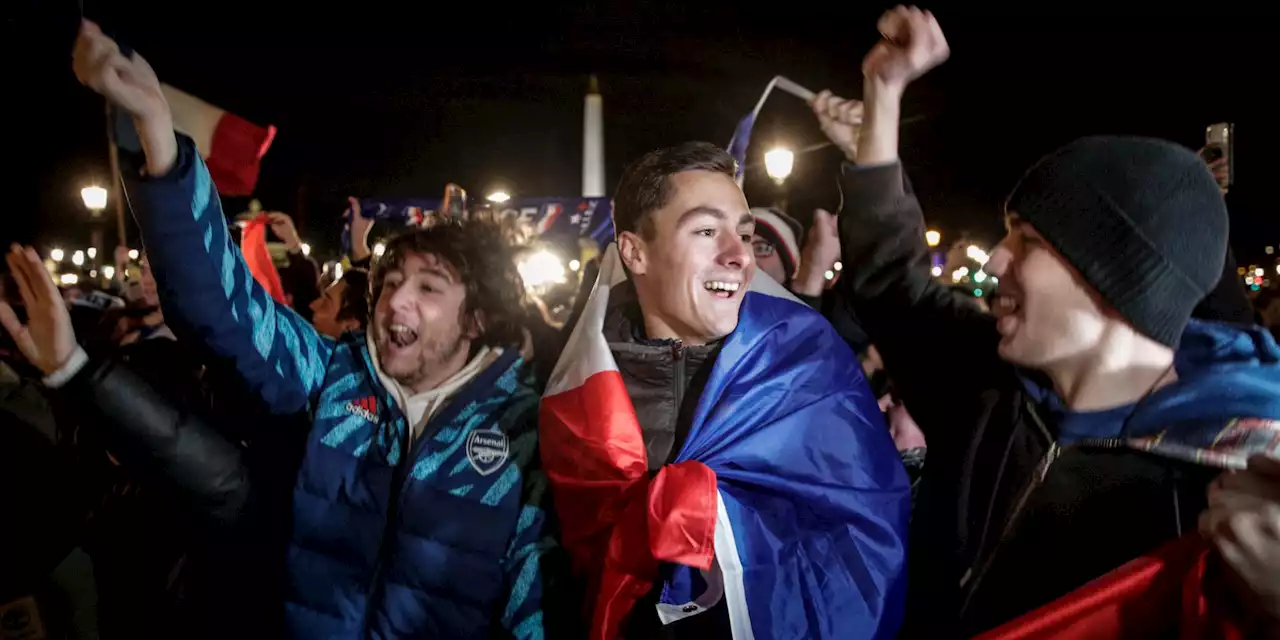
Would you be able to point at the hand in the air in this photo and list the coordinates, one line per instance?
(913, 44)
(1220, 170)
(47, 340)
(840, 119)
(127, 82)
(360, 225)
(822, 243)
(282, 226)
(1243, 521)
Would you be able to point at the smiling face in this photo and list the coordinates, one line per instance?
(693, 266)
(418, 322)
(1045, 313)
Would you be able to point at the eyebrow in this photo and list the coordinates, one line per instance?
(713, 212)
(431, 271)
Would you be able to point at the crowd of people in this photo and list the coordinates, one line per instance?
(717, 444)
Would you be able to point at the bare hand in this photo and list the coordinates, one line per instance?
(47, 340)
(282, 226)
(913, 44)
(360, 225)
(822, 244)
(1243, 521)
(840, 119)
(1221, 172)
(821, 251)
(128, 83)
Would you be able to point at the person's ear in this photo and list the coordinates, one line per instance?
(350, 324)
(474, 326)
(634, 254)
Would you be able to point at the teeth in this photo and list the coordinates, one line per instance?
(399, 328)
(1005, 303)
(716, 285)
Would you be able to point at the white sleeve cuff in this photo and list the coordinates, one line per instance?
(66, 372)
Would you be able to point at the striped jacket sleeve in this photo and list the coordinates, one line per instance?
(207, 291)
(534, 564)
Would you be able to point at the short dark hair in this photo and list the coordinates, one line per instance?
(355, 297)
(483, 254)
(644, 187)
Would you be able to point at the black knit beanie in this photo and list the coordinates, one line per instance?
(1141, 219)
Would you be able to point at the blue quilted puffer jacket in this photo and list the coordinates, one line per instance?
(438, 536)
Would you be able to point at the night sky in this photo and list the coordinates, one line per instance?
(396, 103)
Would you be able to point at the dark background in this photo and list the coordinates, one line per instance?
(377, 101)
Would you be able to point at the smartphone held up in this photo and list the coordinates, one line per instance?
(1219, 144)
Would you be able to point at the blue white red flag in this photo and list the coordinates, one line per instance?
(788, 500)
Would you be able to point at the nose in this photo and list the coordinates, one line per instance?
(402, 298)
(734, 252)
(999, 259)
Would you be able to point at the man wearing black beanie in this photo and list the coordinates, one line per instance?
(1079, 427)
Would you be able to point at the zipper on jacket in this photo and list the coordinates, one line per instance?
(408, 446)
(1042, 471)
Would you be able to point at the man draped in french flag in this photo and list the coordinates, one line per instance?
(719, 464)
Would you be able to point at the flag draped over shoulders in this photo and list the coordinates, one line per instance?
(787, 500)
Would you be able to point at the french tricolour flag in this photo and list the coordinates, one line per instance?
(787, 505)
(232, 147)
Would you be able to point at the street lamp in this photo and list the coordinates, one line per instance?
(932, 237)
(778, 163)
(77, 258)
(133, 254)
(95, 198)
(306, 249)
(57, 255)
(92, 252)
(498, 196)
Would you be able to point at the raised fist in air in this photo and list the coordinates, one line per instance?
(913, 44)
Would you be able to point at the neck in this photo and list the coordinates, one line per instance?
(1122, 370)
(656, 328)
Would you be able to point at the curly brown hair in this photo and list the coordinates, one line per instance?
(483, 253)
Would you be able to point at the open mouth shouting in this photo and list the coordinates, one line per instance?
(1006, 309)
(722, 289)
(401, 336)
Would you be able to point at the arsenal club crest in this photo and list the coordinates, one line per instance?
(487, 450)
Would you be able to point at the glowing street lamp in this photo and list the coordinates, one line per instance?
(932, 237)
(306, 249)
(95, 198)
(109, 272)
(498, 196)
(92, 252)
(778, 163)
(57, 255)
(77, 258)
(379, 249)
(133, 254)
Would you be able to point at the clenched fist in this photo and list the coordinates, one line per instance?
(1243, 521)
(913, 44)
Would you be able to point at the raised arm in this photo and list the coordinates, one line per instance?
(933, 341)
(205, 286)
